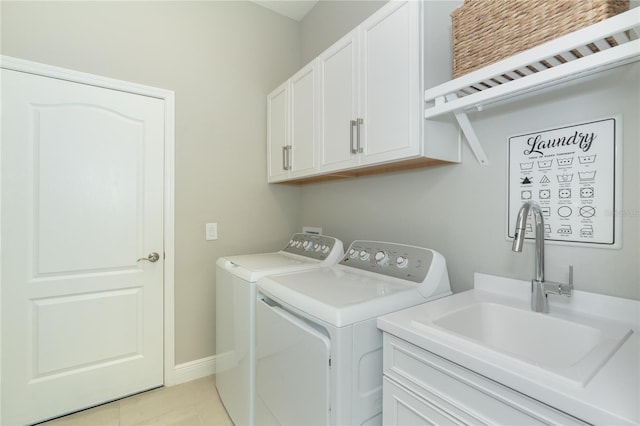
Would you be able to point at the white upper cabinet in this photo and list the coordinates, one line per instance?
(368, 111)
(370, 91)
(338, 80)
(291, 127)
(277, 137)
(390, 97)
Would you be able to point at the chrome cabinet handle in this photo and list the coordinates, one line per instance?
(284, 158)
(359, 123)
(153, 257)
(352, 125)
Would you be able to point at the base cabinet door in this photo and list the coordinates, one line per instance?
(401, 407)
(421, 385)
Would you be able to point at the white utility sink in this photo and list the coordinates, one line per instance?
(571, 348)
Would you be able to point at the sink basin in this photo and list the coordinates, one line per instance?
(570, 349)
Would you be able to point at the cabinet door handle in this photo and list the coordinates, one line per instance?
(289, 157)
(354, 150)
(284, 158)
(359, 123)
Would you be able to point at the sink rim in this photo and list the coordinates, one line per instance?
(613, 336)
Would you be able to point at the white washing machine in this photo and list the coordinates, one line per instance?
(236, 278)
(319, 352)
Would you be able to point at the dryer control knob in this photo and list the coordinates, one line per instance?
(382, 258)
(353, 253)
(307, 245)
(365, 255)
(402, 262)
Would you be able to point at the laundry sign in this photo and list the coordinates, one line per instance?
(574, 173)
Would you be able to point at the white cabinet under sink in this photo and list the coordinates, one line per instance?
(422, 388)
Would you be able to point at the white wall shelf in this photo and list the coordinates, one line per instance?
(607, 44)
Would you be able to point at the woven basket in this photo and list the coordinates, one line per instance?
(486, 31)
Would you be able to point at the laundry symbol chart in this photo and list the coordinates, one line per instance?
(572, 173)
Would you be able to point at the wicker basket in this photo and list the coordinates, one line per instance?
(486, 31)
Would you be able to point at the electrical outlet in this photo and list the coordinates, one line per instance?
(312, 230)
(211, 231)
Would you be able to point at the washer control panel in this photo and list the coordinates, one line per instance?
(312, 245)
(391, 259)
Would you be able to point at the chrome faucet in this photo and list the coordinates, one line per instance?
(539, 288)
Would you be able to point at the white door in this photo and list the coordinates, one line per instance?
(82, 200)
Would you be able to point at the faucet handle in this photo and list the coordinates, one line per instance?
(570, 277)
(560, 289)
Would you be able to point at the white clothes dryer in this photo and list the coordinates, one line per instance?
(236, 278)
(319, 351)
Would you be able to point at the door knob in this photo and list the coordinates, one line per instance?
(153, 257)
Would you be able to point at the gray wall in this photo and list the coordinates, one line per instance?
(221, 59)
(460, 210)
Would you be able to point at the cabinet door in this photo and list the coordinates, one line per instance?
(390, 98)
(303, 121)
(277, 137)
(338, 67)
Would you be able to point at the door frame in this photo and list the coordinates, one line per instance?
(168, 96)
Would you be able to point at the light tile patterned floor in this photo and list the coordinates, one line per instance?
(194, 403)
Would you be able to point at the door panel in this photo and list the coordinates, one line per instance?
(390, 83)
(303, 117)
(82, 200)
(338, 103)
(71, 207)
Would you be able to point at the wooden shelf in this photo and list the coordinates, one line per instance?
(607, 44)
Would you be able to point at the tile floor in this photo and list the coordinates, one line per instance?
(194, 403)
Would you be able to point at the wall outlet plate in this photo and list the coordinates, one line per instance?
(211, 231)
(312, 230)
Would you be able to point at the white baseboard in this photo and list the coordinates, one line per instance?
(193, 370)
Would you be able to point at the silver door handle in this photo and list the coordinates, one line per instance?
(153, 257)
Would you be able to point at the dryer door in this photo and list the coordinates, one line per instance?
(292, 370)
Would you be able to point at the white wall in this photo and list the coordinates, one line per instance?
(221, 59)
(460, 210)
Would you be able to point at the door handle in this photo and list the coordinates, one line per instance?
(153, 257)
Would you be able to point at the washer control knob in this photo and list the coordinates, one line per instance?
(382, 258)
(325, 249)
(317, 247)
(353, 253)
(402, 262)
(364, 255)
(307, 245)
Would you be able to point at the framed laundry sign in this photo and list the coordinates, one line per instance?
(574, 173)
